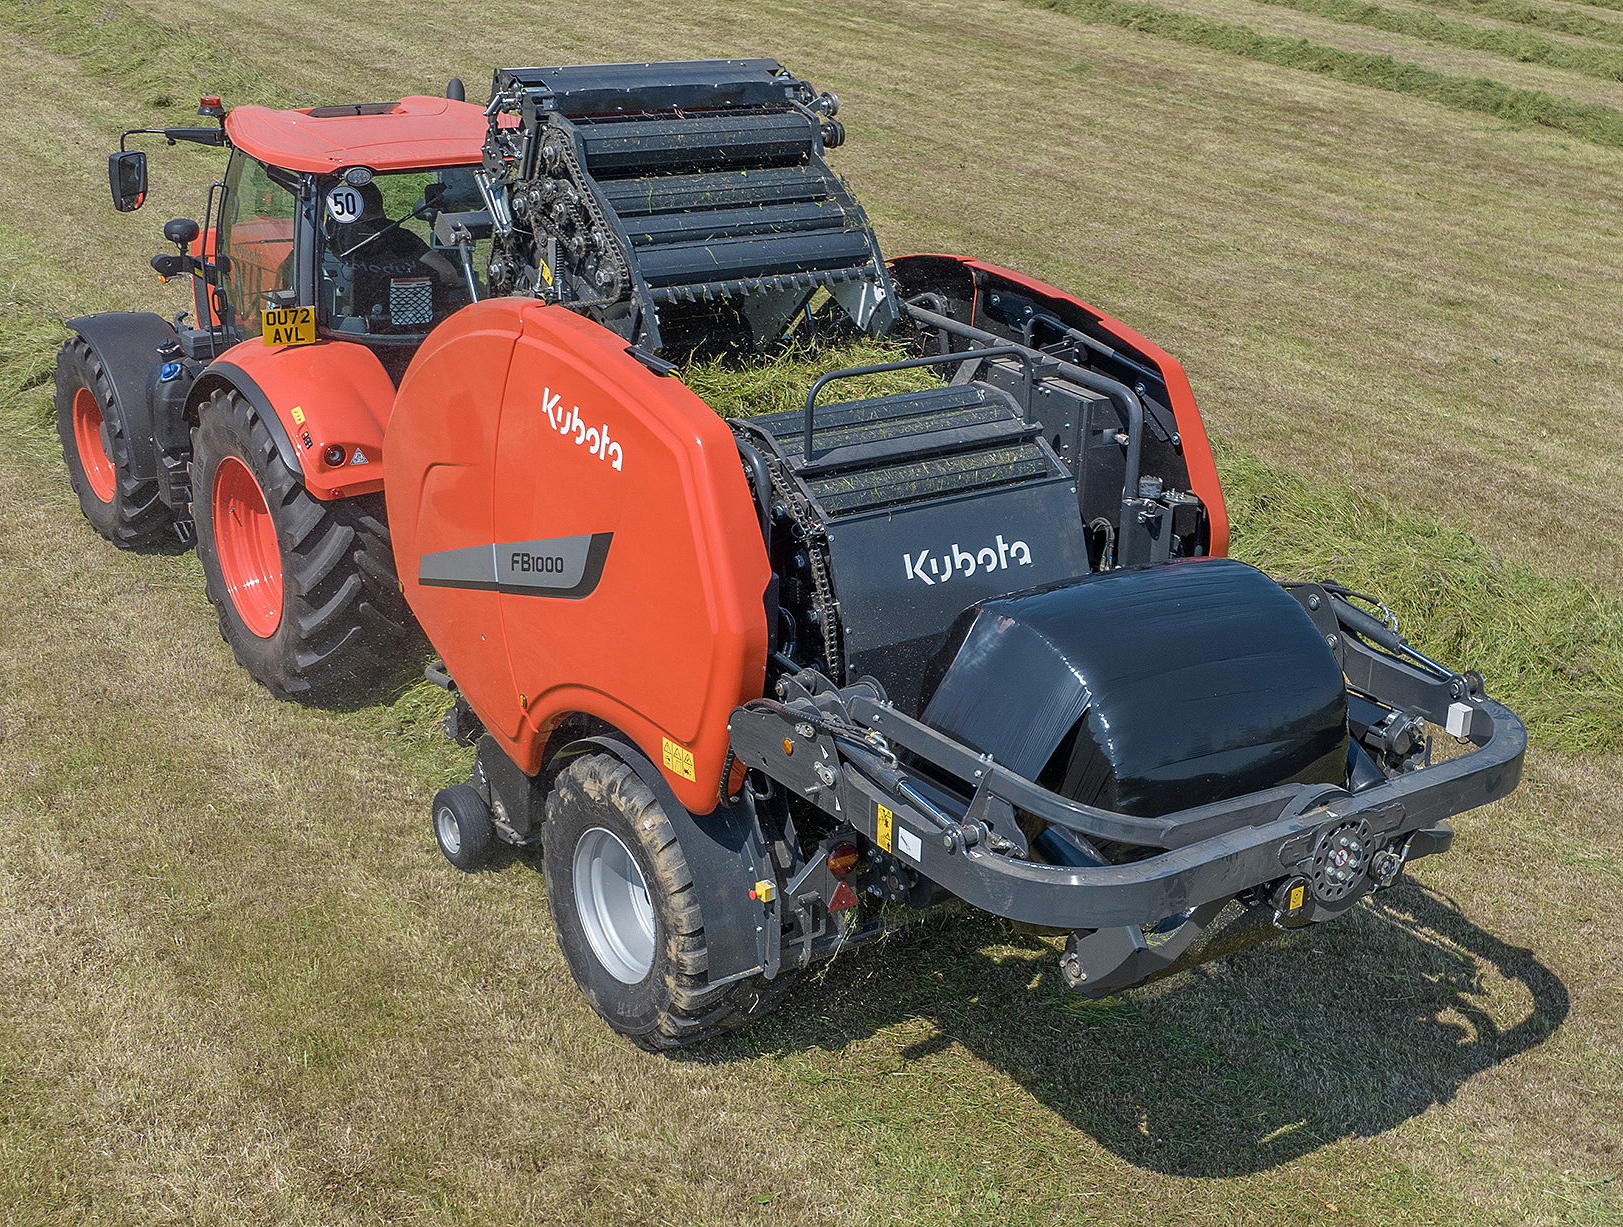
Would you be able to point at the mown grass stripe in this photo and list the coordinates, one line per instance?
(1514, 44)
(1550, 648)
(1591, 122)
(116, 42)
(1559, 21)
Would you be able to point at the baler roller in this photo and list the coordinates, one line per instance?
(613, 148)
(712, 181)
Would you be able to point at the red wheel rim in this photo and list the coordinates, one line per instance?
(87, 437)
(245, 542)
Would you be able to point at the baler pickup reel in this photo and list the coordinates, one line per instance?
(677, 202)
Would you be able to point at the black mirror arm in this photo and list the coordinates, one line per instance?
(167, 266)
(173, 136)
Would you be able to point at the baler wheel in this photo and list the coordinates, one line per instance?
(627, 914)
(305, 590)
(463, 827)
(121, 507)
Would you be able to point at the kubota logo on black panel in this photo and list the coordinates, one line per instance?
(941, 566)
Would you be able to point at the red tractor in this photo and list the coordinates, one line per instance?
(257, 425)
(756, 685)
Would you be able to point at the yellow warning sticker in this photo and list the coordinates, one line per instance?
(1298, 896)
(885, 828)
(298, 415)
(679, 760)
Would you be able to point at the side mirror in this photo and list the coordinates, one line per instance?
(181, 231)
(127, 176)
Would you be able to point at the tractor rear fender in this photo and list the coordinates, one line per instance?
(982, 279)
(576, 535)
(333, 395)
(126, 343)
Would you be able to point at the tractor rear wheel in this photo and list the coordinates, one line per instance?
(627, 915)
(121, 507)
(305, 590)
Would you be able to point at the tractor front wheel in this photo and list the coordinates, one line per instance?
(305, 590)
(121, 507)
(627, 914)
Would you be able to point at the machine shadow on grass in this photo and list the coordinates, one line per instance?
(1344, 1030)
(397, 680)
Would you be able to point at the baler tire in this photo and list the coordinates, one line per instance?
(463, 827)
(342, 623)
(674, 1005)
(123, 508)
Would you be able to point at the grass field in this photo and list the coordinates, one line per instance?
(238, 984)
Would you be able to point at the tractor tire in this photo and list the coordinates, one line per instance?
(627, 915)
(95, 444)
(305, 590)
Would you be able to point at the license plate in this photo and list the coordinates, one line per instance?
(288, 325)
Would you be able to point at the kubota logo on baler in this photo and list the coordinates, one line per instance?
(571, 425)
(938, 568)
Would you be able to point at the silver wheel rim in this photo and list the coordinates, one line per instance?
(445, 826)
(611, 898)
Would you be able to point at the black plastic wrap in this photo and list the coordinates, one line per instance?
(1184, 683)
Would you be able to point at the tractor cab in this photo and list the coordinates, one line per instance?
(382, 275)
(324, 226)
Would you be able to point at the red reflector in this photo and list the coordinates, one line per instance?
(844, 897)
(842, 860)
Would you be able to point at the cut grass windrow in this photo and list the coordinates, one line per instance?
(115, 42)
(1552, 649)
(1599, 125)
(1559, 21)
(1513, 44)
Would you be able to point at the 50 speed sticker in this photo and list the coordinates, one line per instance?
(345, 204)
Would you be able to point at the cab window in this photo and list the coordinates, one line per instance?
(256, 229)
(384, 275)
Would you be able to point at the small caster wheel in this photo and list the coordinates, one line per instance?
(463, 827)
